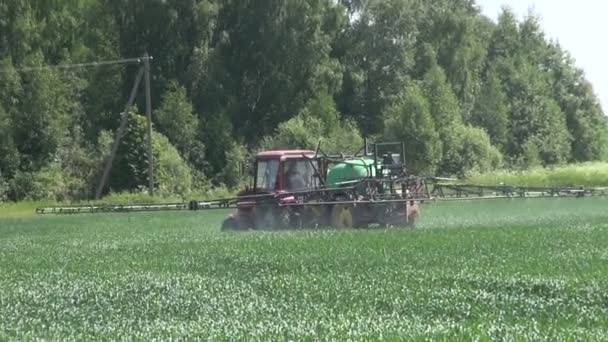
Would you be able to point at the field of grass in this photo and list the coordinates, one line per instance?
(587, 175)
(525, 269)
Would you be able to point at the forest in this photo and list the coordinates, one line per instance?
(232, 77)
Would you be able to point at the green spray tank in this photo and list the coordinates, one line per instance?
(344, 173)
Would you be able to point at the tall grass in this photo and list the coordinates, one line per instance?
(575, 175)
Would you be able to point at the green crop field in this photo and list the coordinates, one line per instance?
(521, 269)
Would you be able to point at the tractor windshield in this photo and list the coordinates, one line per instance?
(299, 175)
(267, 178)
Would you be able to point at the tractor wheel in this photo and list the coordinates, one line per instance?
(411, 221)
(272, 218)
(283, 218)
(413, 216)
(230, 224)
(342, 216)
(318, 215)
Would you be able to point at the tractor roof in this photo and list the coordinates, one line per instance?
(285, 153)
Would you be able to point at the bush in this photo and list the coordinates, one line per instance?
(47, 184)
(236, 168)
(50, 183)
(318, 121)
(305, 131)
(71, 175)
(173, 175)
(409, 120)
(130, 168)
(177, 121)
(3, 190)
(468, 150)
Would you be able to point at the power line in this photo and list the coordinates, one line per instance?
(80, 65)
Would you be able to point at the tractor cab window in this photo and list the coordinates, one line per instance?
(267, 178)
(299, 175)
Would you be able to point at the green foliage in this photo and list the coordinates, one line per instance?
(465, 148)
(491, 111)
(271, 56)
(4, 189)
(172, 174)
(378, 58)
(218, 135)
(456, 37)
(236, 168)
(536, 118)
(9, 155)
(50, 183)
(10, 89)
(130, 168)
(71, 175)
(468, 149)
(318, 122)
(575, 96)
(443, 103)
(42, 119)
(410, 120)
(177, 121)
(176, 118)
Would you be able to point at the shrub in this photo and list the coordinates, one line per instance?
(410, 121)
(3, 189)
(468, 150)
(236, 165)
(318, 121)
(130, 169)
(177, 121)
(42, 185)
(173, 175)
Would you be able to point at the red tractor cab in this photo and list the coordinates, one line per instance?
(276, 172)
(285, 171)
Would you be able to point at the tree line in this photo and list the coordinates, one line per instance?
(232, 77)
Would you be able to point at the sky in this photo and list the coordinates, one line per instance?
(579, 26)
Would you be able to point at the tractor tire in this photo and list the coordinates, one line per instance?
(230, 224)
(411, 222)
(342, 216)
(272, 218)
(413, 218)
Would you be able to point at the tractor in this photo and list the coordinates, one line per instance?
(300, 189)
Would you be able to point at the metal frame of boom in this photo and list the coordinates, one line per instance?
(439, 191)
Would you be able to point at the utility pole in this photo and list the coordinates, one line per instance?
(149, 116)
(119, 134)
(143, 73)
